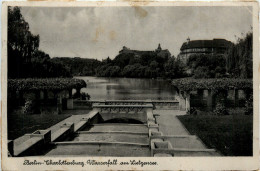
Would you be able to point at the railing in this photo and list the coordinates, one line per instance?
(122, 108)
(157, 104)
(166, 104)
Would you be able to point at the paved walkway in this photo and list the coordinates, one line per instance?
(169, 124)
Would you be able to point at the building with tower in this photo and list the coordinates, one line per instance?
(159, 51)
(215, 46)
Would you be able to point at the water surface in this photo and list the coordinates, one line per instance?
(102, 88)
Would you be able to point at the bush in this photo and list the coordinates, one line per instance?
(207, 65)
(193, 111)
(202, 72)
(85, 96)
(28, 107)
(249, 105)
(220, 109)
(188, 84)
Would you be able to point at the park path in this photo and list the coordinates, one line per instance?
(169, 124)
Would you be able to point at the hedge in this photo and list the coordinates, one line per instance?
(45, 84)
(189, 84)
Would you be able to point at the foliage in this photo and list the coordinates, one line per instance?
(42, 66)
(220, 109)
(174, 68)
(142, 65)
(78, 66)
(28, 107)
(221, 104)
(187, 84)
(249, 105)
(45, 84)
(24, 57)
(21, 43)
(202, 72)
(207, 65)
(108, 71)
(145, 65)
(240, 57)
(136, 70)
(193, 111)
(85, 96)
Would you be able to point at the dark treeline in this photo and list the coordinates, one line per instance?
(146, 65)
(24, 57)
(78, 66)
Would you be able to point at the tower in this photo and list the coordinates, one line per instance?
(159, 48)
(188, 40)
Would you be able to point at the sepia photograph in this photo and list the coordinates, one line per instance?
(130, 81)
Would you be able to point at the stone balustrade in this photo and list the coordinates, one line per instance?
(122, 108)
(157, 104)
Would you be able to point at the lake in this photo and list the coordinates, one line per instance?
(102, 88)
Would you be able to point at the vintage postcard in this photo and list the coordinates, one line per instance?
(130, 86)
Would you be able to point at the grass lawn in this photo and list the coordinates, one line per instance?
(231, 135)
(19, 124)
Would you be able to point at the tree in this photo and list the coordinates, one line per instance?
(202, 72)
(22, 44)
(207, 65)
(240, 57)
(154, 64)
(24, 57)
(174, 68)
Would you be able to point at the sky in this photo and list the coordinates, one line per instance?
(99, 32)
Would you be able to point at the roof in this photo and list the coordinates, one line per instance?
(215, 43)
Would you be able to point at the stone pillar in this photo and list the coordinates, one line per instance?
(69, 103)
(41, 94)
(236, 97)
(70, 93)
(20, 97)
(209, 100)
(45, 94)
(77, 93)
(182, 102)
(59, 104)
(187, 100)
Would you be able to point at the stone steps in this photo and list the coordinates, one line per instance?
(118, 127)
(101, 149)
(113, 137)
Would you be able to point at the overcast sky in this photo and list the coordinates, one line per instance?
(102, 31)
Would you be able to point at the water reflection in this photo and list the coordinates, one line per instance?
(128, 88)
